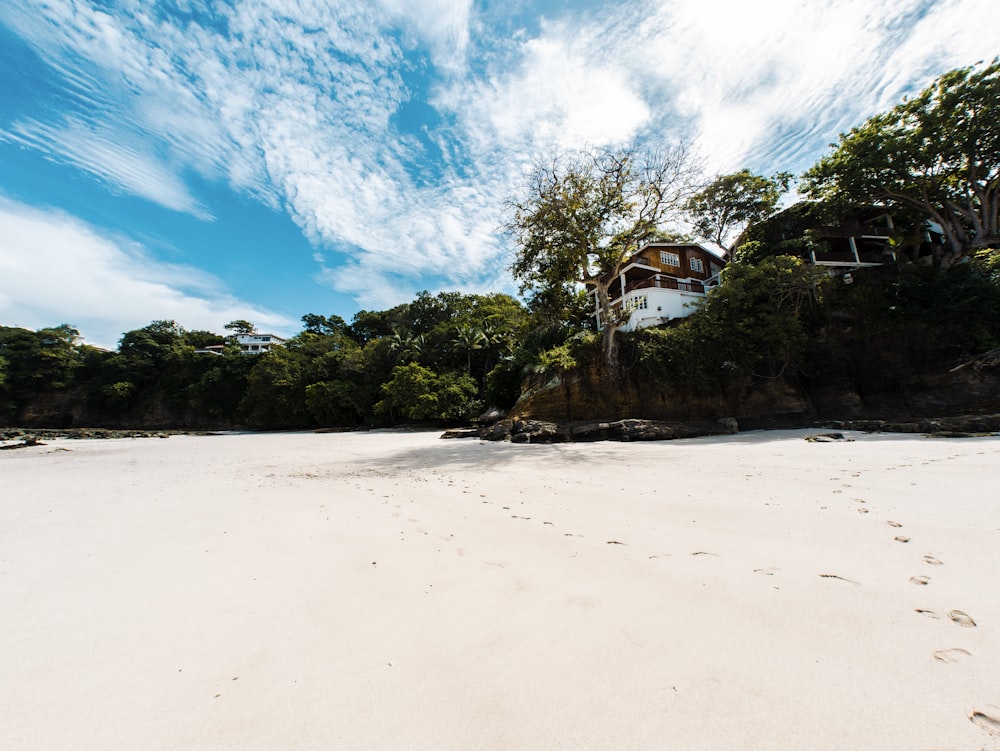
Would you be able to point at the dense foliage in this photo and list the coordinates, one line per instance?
(436, 358)
(754, 326)
(937, 153)
(729, 203)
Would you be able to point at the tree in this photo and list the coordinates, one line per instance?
(938, 153)
(582, 216)
(36, 361)
(368, 325)
(418, 393)
(751, 328)
(469, 338)
(199, 338)
(325, 325)
(275, 395)
(239, 326)
(730, 203)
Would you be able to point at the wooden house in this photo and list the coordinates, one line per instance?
(663, 281)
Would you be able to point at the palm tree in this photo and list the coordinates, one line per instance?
(468, 338)
(405, 347)
(496, 343)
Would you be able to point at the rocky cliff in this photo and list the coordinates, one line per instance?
(906, 377)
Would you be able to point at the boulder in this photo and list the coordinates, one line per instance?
(499, 431)
(491, 416)
(537, 431)
(461, 433)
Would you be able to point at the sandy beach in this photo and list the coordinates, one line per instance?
(390, 590)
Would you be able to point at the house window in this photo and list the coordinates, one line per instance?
(697, 265)
(637, 303)
(670, 259)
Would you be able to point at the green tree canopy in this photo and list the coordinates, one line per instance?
(938, 153)
(750, 328)
(328, 325)
(417, 393)
(239, 326)
(581, 216)
(35, 361)
(729, 203)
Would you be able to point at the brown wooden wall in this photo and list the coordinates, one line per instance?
(650, 256)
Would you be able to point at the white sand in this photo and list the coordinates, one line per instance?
(396, 591)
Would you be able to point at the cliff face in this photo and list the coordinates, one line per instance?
(70, 408)
(586, 395)
(843, 378)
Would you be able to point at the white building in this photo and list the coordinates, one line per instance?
(256, 344)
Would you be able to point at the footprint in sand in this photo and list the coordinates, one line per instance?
(766, 571)
(894, 524)
(901, 538)
(928, 613)
(962, 619)
(932, 560)
(955, 654)
(923, 581)
(990, 722)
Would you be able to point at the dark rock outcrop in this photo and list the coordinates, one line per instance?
(914, 380)
(544, 431)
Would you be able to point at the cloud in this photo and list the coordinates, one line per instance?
(441, 25)
(772, 83)
(118, 158)
(55, 269)
(561, 95)
(297, 104)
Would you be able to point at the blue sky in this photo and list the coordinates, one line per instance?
(203, 160)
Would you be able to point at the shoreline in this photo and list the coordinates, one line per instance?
(525, 430)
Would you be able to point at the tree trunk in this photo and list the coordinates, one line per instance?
(609, 328)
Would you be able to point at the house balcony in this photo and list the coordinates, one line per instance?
(659, 281)
(850, 259)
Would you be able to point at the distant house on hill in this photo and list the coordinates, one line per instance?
(663, 281)
(210, 349)
(256, 344)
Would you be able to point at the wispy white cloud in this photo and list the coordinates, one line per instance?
(122, 160)
(773, 82)
(442, 26)
(55, 269)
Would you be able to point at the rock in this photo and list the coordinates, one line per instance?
(542, 431)
(641, 430)
(28, 441)
(491, 416)
(500, 431)
(537, 431)
(461, 433)
(589, 431)
(729, 425)
(942, 426)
